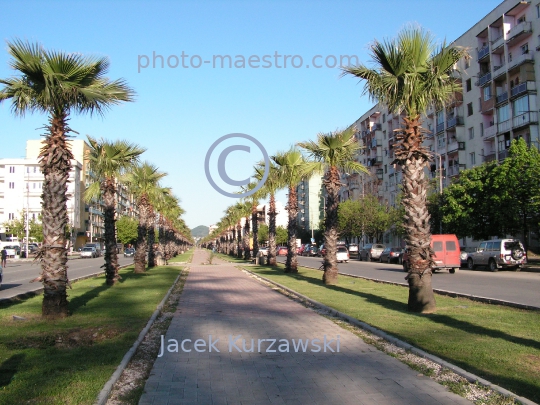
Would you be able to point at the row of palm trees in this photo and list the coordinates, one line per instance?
(60, 84)
(408, 75)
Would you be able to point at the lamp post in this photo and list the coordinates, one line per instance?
(27, 207)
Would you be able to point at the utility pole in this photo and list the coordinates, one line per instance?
(27, 207)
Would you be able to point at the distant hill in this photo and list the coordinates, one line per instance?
(200, 231)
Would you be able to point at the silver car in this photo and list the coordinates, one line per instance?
(89, 252)
(498, 254)
(371, 251)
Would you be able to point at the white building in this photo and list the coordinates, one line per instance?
(21, 185)
(311, 201)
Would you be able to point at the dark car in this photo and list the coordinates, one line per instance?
(129, 252)
(464, 254)
(390, 255)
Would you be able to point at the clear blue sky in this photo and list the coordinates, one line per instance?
(180, 112)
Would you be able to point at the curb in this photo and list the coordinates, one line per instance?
(106, 390)
(406, 346)
(39, 290)
(454, 294)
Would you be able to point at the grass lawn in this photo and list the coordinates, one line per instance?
(501, 344)
(68, 361)
(184, 257)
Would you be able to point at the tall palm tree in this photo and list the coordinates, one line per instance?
(270, 188)
(292, 168)
(143, 183)
(335, 152)
(109, 161)
(411, 73)
(57, 84)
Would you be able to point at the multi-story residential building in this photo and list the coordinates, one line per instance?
(311, 202)
(498, 104)
(21, 183)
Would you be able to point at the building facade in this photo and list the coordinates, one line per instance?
(498, 104)
(311, 202)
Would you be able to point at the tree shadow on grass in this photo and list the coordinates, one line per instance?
(82, 300)
(9, 368)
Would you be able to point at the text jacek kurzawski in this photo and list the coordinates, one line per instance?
(251, 345)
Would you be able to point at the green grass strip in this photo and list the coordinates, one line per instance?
(500, 344)
(184, 257)
(68, 361)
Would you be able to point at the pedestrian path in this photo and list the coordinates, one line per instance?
(224, 302)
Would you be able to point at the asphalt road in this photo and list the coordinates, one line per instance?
(18, 274)
(508, 285)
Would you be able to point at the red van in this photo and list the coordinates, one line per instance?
(447, 253)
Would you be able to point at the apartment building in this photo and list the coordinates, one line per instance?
(311, 202)
(21, 185)
(498, 104)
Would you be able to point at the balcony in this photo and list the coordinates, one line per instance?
(497, 44)
(520, 60)
(504, 126)
(483, 80)
(490, 158)
(498, 71)
(525, 119)
(503, 154)
(501, 98)
(453, 170)
(452, 122)
(522, 88)
(490, 132)
(452, 147)
(522, 29)
(440, 127)
(482, 52)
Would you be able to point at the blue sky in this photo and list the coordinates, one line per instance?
(179, 112)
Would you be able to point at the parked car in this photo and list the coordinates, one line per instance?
(464, 254)
(390, 255)
(89, 252)
(129, 252)
(353, 248)
(282, 251)
(322, 251)
(300, 249)
(498, 254)
(446, 253)
(263, 250)
(342, 254)
(96, 246)
(12, 250)
(371, 251)
(313, 250)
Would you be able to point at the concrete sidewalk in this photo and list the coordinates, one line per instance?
(224, 302)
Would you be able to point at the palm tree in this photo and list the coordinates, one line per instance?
(292, 168)
(270, 188)
(108, 161)
(411, 73)
(58, 83)
(335, 152)
(143, 183)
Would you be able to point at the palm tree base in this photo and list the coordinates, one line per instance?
(330, 277)
(421, 297)
(55, 306)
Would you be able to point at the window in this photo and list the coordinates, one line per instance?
(385, 169)
(503, 113)
(468, 85)
(481, 129)
(471, 132)
(467, 63)
(12, 169)
(469, 109)
(524, 49)
(384, 118)
(538, 11)
(510, 57)
(451, 246)
(472, 158)
(437, 246)
(11, 216)
(520, 106)
(487, 93)
(11, 184)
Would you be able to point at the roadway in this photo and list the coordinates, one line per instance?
(19, 273)
(520, 287)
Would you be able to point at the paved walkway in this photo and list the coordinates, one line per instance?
(222, 301)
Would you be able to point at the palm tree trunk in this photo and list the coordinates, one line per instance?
(332, 185)
(55, 163)
(239, 240)
(417, 226)
(272, 232)
(247, 249)
(291, 265)
(151, 240)
(255, 225)
(109, 217)
(142, 230)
